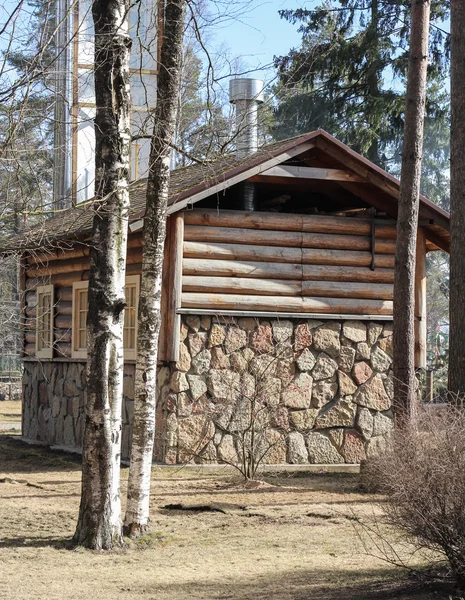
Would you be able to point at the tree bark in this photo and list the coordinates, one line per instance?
(457, 202)
(99, 525)
(149, 317)
(407, 217)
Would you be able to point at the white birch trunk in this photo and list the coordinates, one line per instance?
(149, 316)
(99, 525)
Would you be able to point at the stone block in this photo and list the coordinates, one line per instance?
(353, 449)
(321, 451)
(326, 339)
(380, 361)
(193, 322)
(194, 434)
(285, 370)
(179, 382)
(223, 384)
(323, 392)
(298, 394)
(373, 395)
(217, 335)
(219, 360)
(235, 339)
(247, 323)
(302, 337)
(268, 391)
(197, 386)
(324, 368)
(364, 422)
(201, 362)
(184, 362)
(279, 417)
(296, 449)
(346, 359)
(346, 385)
(282, 330)
(306, 360)
(355, 331)
(275, 450)
(197, 342)
(363, 351)
(205, 322)
(386, 345)
(303, 420)
(226, 450)
(382, 424)
(263, 366)
(362, 372)
(340, 414)
(374, 330)
(261, 340)
(68, 431)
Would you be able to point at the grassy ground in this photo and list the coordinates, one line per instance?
(10, 413)
(292, 538)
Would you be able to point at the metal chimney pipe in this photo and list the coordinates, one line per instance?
(246, 95)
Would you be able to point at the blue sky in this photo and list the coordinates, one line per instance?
(258, 33)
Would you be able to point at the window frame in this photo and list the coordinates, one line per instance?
(78, 286)
(129, 354)
(41, 291)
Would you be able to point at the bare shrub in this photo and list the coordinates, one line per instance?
(422, 472)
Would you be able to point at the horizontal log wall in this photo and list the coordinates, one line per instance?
(287, 263)
(63, 267)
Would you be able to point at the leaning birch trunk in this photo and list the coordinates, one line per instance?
(457, 203)
(407, 217)
(149, 316)
(99, 525)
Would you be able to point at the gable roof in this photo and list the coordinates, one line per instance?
(190, 184)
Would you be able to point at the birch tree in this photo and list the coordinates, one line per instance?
(149, 318)
(457, 201)
(99, 525)
(407, 216)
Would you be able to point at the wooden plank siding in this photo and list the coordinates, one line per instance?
(286, 263)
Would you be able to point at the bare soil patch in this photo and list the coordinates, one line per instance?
(293, 539)
(10, 413)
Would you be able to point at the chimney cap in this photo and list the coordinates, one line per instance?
(245, 89)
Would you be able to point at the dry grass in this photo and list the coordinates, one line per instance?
(293, 539)
(10, 414)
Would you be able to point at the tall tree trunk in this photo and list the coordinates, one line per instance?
(457, 200)
(374, 76)
(137, 512)
(99, 525)
(407, 216)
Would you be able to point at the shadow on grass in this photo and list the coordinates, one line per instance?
(337, 584)
(41, 542)
(18, 457)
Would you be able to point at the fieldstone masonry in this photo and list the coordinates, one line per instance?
(325, 392)
(327, 397)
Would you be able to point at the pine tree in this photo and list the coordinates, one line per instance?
(349, 75)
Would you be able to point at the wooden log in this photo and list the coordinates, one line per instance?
(290, 222)
(241, 252)
(64, 308)
(134, 269)
(30, 337)
(63, 349)
(30, 349)
(31, 312)
(224, 302)
(62, 335)
(30, 324)
(287, 239)
(420, 301)
(64, 294)
(228, 268)
(63, 322)
(62, 280)
(331, 289)
(44, 258)
(30, 299)
(239, 285)
(357, 274)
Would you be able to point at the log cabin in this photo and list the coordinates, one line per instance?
(286, 253)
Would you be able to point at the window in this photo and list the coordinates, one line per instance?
(44, 321)
(79, 332)
(130, 317)
(80, 303)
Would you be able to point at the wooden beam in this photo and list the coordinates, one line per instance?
(222, 302)
(283, 314)
(240, 285)
(289, 222)
(287, 239)
(420, 300)
(174, 288)
(315, 256)
(332, 289)
(311, 173)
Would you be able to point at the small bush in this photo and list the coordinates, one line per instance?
(422, 473)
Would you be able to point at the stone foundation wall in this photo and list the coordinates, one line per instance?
(323, 390)
(54, 396)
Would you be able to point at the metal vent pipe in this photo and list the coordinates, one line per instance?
(246, 95)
